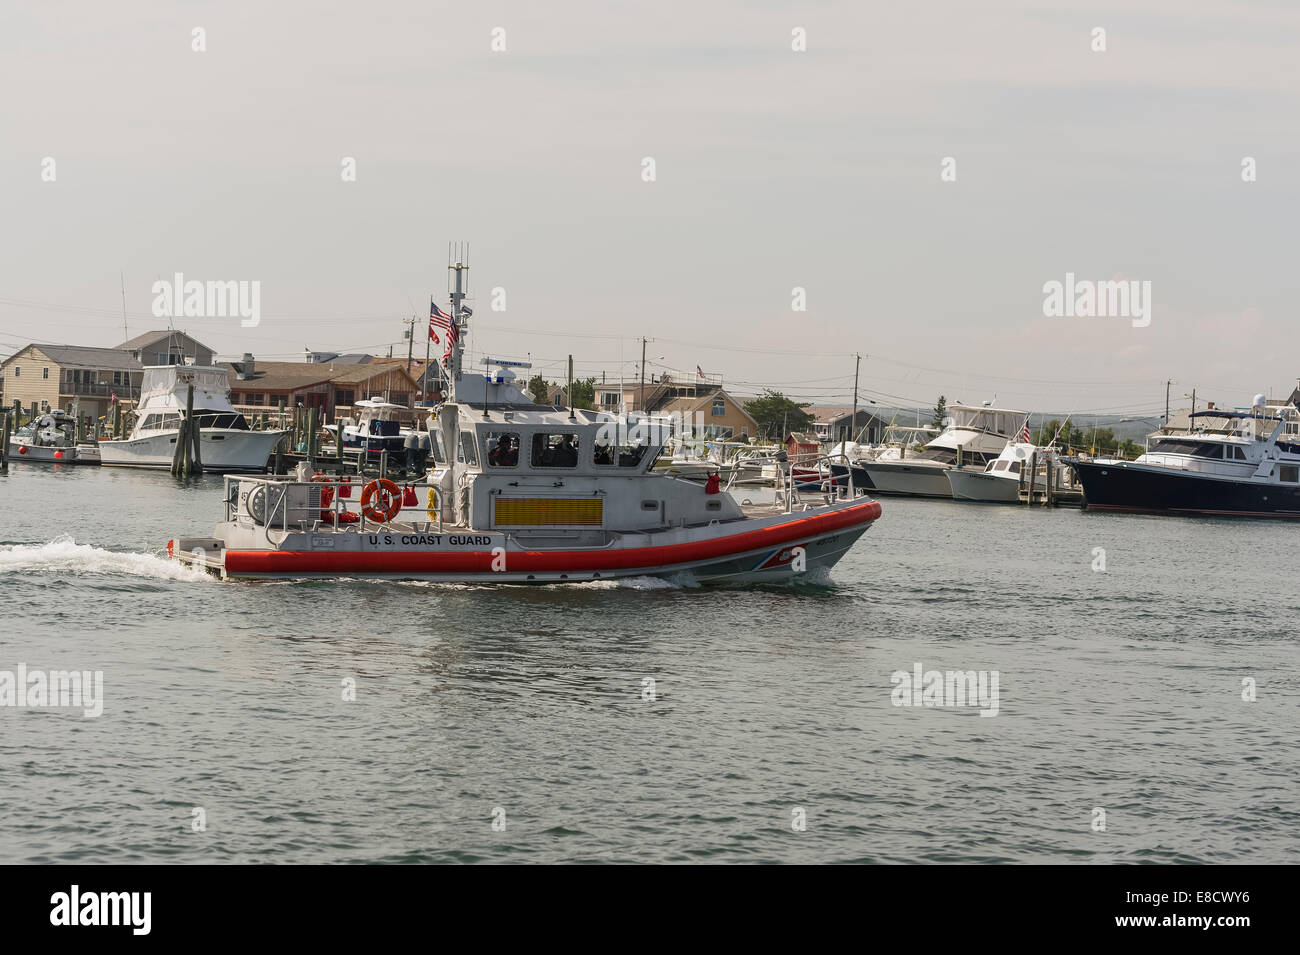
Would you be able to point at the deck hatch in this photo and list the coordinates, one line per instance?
(549, 511)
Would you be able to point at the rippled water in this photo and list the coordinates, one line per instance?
(1119, 690)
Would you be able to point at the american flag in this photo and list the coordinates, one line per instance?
(439, 319)
(699, 371)
(1025, 437)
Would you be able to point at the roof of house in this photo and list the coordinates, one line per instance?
(279, 375)
(148, 338)
(293, 375)
(802, 437)
(333, 358)
(84, 356)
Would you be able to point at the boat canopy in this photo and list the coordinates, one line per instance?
(164, 388)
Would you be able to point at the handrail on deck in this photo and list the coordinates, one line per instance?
(280, 508)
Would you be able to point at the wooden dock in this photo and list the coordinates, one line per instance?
(1055, 487)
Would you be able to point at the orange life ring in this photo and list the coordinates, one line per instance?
(389, 503)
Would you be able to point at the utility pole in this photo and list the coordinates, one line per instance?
(640, 400)
(126, 336)
(1168, 382)
(410, 342)
(853, 428)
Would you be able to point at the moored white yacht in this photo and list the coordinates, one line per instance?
(524, 493)
(378, 428)
(974, 436)
(226, 443)
(1002, 478)
(1240, 463)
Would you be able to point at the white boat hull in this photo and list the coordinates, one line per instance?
(984, 487)
(776, 549)
(909, 480)
(222, 450)
(20, 450)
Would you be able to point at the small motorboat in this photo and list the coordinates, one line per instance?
(51, 439)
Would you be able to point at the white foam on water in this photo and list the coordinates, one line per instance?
(64, 555)
(678, 581)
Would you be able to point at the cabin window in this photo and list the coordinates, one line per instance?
(161, 422)
(628, 453)
(502, 448)
(1238, 454)
(1199, 449)
(437, 447)
(467, 453)
(1000, 465)
(1015, 467)
(555, 451)
(1288, 473)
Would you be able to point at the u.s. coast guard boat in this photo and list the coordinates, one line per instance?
(524, 493)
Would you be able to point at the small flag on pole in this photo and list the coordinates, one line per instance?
(699, 371)
(1024, 434)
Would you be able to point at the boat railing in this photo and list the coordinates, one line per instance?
(790, 489)
(339, 491)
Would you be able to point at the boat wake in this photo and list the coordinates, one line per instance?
(63, 555)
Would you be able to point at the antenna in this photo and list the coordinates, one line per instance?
(126, 336)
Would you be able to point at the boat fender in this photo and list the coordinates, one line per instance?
(433, 500)
(388, 503)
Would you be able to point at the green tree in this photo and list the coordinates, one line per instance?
(584, 393)
(537, 390)
(940, 412)
(776, 415)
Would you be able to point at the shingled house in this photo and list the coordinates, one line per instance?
(328, 387)
(52, 376)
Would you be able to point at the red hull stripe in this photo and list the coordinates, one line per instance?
(480, 562)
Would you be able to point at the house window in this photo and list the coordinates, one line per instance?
(744, 433)
(342, 397)
(18, 370)
(719, 407)
(45, 373)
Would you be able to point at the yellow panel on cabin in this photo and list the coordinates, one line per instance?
(549, 511)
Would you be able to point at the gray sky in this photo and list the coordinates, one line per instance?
(775, 169)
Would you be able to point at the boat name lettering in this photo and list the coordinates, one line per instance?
(482, 540)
